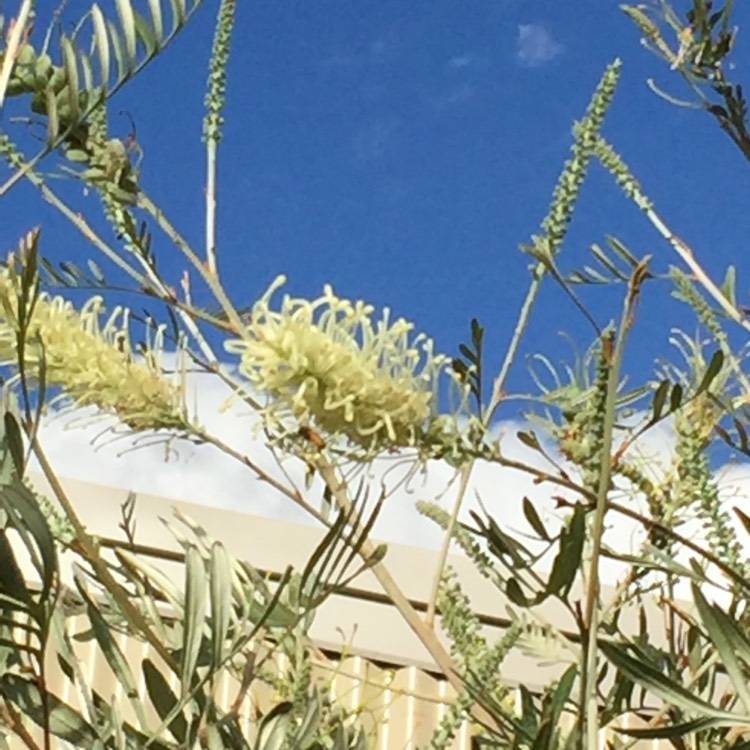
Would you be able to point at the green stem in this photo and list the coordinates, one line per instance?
(613, 352)
(497, 395)
(538, 274)
(445, 548)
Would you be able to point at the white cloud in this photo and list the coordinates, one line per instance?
(536, 46)
(202, 474)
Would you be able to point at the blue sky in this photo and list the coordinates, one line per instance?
(402, 151)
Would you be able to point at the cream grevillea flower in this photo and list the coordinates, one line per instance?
(91, 364)
(330, 366)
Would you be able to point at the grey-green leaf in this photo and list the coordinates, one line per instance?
(274, 728)
(220, 584)
(64, 722)
(195, 615)
(728, 642)
(644, 674)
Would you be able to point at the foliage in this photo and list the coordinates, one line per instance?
(333, 387)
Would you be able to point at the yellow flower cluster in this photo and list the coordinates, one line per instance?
(330, 366)
(91, 364)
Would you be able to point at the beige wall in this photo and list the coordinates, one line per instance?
(403, 703)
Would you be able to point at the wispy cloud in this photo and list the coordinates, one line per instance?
(536, 46)
(455, 95)
(380, 50)
(372, 141)
(461, 61)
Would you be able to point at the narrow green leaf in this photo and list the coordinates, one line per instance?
(23, 511)
(568, 559)
(534, 520)
(502, 545)
(310, 722)
(96, 271)
(68, 267)
(195, 615)
(157, 579)
(477, 334)
(741, 434)
(29, 627)
(621, 250)
(562, 691)
(71, 73)
(729, 286)
(88, 75)
(642, 673)
(606, 262)
(119, 50)
(313, 578)
(596, 276)
(50, 274)
(727, 642)
(179, 14)
(145, 33)
(460, 368)
(13, 591)
(468, 353)
(514, 592)
(674, 731)
(675, 397)
(64, 722)
(164, 700)
(220, 583)
(274, 728)
(112, 652)
(744, 518)
(157, 21)
(53, 120)
(713, 369)
(15, 442)
(101, 42)
(529, 713)
(660, 398)
(661, 561)
(127, 21)
(529, 439)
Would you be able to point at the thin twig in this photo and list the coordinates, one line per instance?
(13, 721)
(293, 494)
(211, 265)
(184, 246)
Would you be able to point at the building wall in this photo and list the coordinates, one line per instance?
(401, 704)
